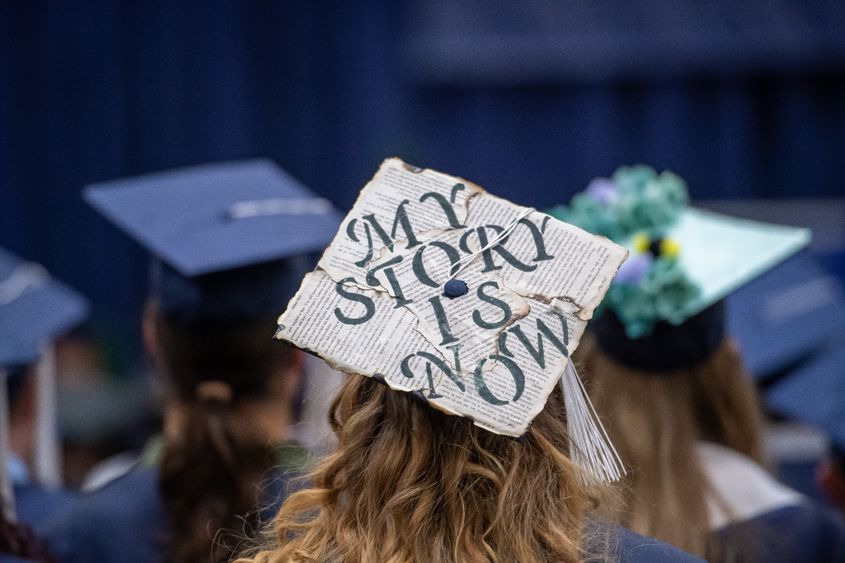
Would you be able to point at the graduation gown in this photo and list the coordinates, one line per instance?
(629, 547)
(36, 506)
(125, 521)
(757, 519)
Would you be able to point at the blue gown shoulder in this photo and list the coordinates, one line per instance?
(625, 546)
(126, 521)
(36, 505)
(799, 533)
(123, 521)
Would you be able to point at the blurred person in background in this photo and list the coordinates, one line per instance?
(230, 244)
(17, 540)
(814, 394)
(831, 478)
(669, 381)
(785, 323)
(106, 411)
(35, 309)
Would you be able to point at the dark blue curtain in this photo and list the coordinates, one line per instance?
(530, 103)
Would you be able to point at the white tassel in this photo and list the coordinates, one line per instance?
(590, 447)
(47, 454)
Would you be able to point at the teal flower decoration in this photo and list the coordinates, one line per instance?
(591, 215)
(634, 199)
(648, 202)
(661, 295)
(637, 200)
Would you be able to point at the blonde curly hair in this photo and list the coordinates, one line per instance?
(409, 483)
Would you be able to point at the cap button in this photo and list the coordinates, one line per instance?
(455, 288)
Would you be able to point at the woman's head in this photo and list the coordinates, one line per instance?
(655, 421)
(229, 392)
(241, 354)
(409, 483)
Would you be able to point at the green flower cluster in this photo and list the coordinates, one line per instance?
(636, 207)
(634, 200)
(661, 294)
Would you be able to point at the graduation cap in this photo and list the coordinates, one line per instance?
(786, 315)
(814, 393)
(664, 311)
(35, 308)
(465, 300)
(229, 240)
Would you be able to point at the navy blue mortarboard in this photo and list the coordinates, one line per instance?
(815, 392)
(786, 315)
(34, 309)
(229, 240)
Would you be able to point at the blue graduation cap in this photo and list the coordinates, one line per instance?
(815, 392)
(34, 309)
(786, 315)
(229, 240)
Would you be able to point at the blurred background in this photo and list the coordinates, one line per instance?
(744, 99)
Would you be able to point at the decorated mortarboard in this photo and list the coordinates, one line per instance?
(466, 300)
(786, 316)
(229, 239)
(684, 261)
(34, 309)
(814, 393)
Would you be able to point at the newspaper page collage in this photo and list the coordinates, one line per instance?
(375, 304)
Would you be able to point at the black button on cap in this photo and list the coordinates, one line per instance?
(455, 288)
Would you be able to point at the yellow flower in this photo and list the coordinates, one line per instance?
(669, 248)
(641, 242)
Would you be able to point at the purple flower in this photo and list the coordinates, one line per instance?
(603, 191)
(634, 269)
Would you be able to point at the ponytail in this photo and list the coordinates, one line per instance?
(211, 468)
(208, 482)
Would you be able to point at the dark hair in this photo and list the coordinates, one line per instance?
(211, 470)
(18, 540)
(16, 378)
